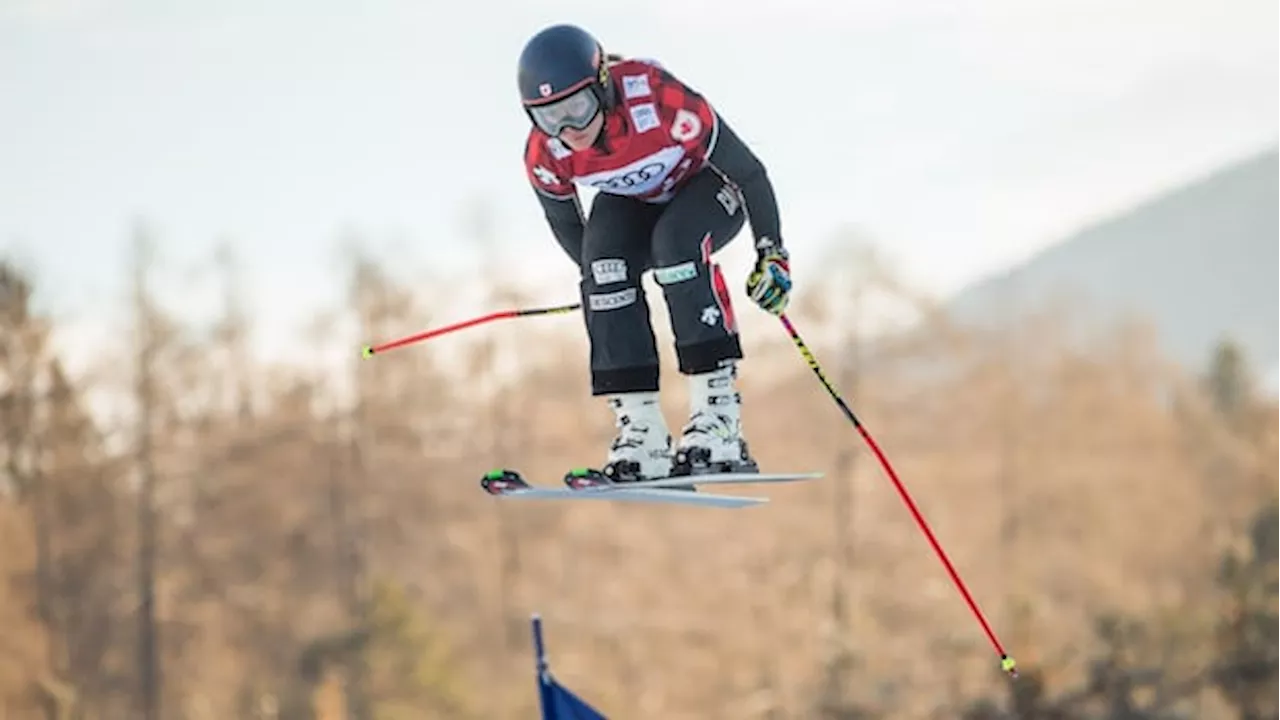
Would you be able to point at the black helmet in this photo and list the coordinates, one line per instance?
(563, 78)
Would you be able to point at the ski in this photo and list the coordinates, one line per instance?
(583, 479)
(675, 490)
(509, 484)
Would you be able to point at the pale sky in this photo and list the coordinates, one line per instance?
(962, 136)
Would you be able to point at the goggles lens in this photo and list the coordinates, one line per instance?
(574, 111)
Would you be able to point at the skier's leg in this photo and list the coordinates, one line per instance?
(624, 355)
(701, 220)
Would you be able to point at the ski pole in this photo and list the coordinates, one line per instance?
(371, 350)
(1007, 663)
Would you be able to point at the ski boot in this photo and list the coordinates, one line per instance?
(640, 451)
(711, 441)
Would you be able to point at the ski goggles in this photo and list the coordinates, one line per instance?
(575, 111)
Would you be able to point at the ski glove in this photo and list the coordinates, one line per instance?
(769, 284)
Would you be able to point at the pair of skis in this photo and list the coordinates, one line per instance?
(675, 490)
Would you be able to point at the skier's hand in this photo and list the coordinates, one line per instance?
(769, 284)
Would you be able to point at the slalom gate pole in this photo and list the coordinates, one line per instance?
(1007, 663)
(371, 350)
(555, 701)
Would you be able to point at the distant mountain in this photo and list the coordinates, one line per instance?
(1200, 261)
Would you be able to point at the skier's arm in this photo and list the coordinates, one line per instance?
(733, 160)
(556, 194)
(564, 215)
(697, 126)
(769, 284)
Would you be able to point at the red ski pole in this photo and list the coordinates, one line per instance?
(371, 350)
(1007, 663)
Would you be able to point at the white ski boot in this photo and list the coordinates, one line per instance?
(712, 442)
(642, 448)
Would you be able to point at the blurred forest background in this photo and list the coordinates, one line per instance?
(224, 539)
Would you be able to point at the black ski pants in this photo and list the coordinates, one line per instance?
(625, 237)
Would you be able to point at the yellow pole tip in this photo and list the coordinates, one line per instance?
(367, 351)
(1008, 664)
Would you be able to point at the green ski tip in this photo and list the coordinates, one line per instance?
(579, 472)
(494, 474)
(367, 351)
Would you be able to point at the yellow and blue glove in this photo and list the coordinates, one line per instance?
(769, 284)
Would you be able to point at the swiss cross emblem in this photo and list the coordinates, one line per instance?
(686, 127)
(545, 89)
(546, 176)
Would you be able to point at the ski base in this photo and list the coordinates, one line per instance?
(672, 490)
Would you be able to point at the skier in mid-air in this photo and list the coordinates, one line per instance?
(675, 184)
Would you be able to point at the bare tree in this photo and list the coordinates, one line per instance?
(147, 340)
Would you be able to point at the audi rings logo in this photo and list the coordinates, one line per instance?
(639, 177)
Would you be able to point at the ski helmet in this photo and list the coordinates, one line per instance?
(563, 78)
